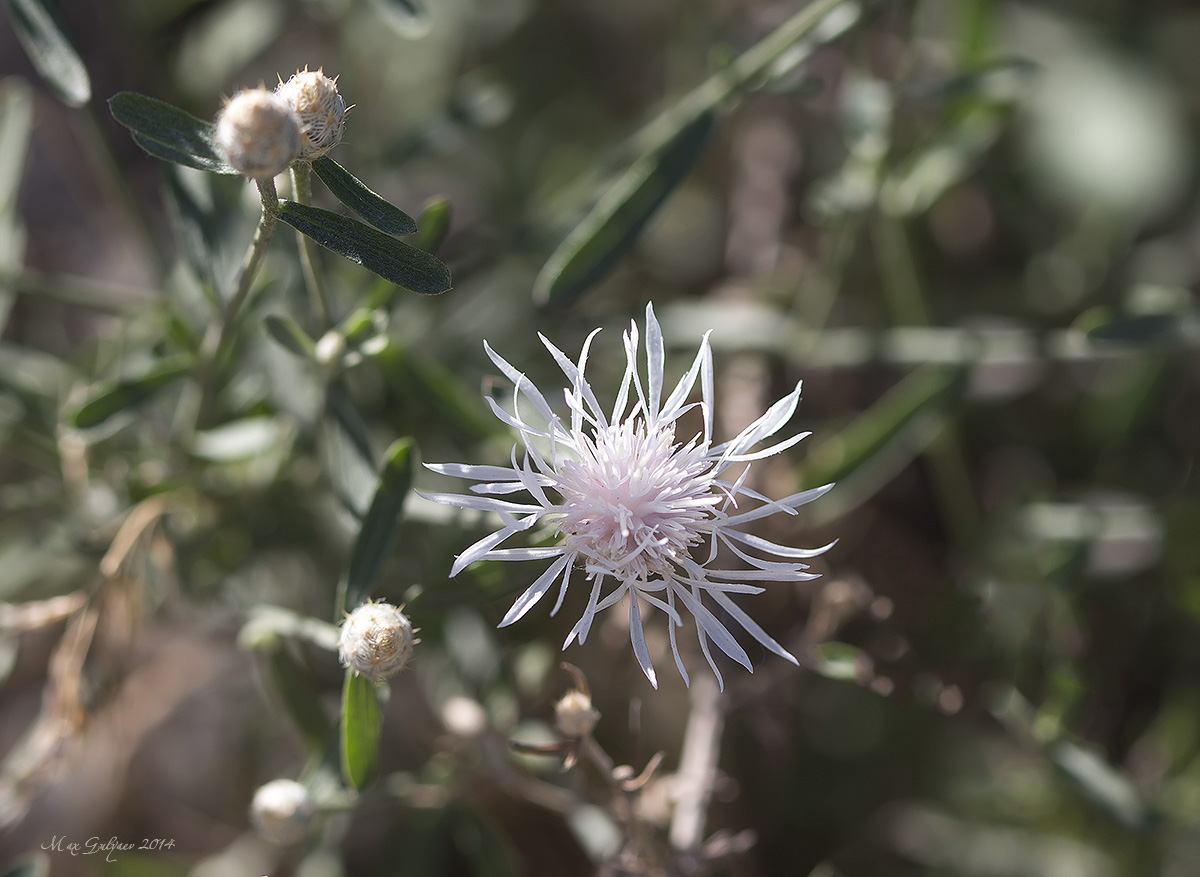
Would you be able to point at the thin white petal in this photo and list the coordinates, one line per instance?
(482, 503)
(533, 593)
(714, 628)
(679, 395)
(638, 637)
(674, 643)
(522, 383)
(751, 627)
(474, 473)
(767, 425)
(791, 502)
(584, 624)
(655, 360)
(774, 547)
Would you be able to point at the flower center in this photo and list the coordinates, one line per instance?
(634, 503)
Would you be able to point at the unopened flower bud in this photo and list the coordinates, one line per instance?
(330, 347)
(258, 133)
(314, 98)
(377, 641)
(574, 715)
(282, 811)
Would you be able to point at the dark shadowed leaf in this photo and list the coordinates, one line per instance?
(362, 719)
(128, 394)
(379, 527)
(168, 132)
(1143, 329)
(389, 258)
(290, 336)
(50, 52)
(349, 420)
(350, 191)
(595, 245)
(301, 696)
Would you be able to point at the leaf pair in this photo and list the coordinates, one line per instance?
(174, 135)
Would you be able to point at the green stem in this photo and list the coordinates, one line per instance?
(302, 188)
(218, 340)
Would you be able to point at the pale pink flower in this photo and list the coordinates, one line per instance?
(635, 502)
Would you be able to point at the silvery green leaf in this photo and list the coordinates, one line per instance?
(596, 243)
(375, 209)
(391, 259)
(167, 132)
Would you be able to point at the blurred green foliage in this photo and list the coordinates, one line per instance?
(971, 226)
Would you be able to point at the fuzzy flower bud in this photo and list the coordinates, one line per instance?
(377, 641)
(282, 811)
(314, 98)
(574, 715)
(258, 133)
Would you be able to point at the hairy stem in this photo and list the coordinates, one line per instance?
(219, 338)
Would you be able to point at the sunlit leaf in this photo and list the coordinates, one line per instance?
(837, 660)
(362, 720)
(378, 531)
(128, 393)
(167, 132)
(595, 245)
(238, 440)
(391, 259)
(376, 210)
(50, 52)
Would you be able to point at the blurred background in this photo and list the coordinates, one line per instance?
(970, 226)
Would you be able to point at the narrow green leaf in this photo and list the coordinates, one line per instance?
(128, 393)
(379, 527)
(50, 52)
(362, 720)
(927, 389)
(376, 210)
(595, 245)
(290, 336)
(1142, 329)
(167, 132)
(433, 224)
(389, 258)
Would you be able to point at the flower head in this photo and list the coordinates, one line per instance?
(322, 110)
(376, 641)
(635, 502)
(258, 133)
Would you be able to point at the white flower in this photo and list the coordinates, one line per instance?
(635, 502)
